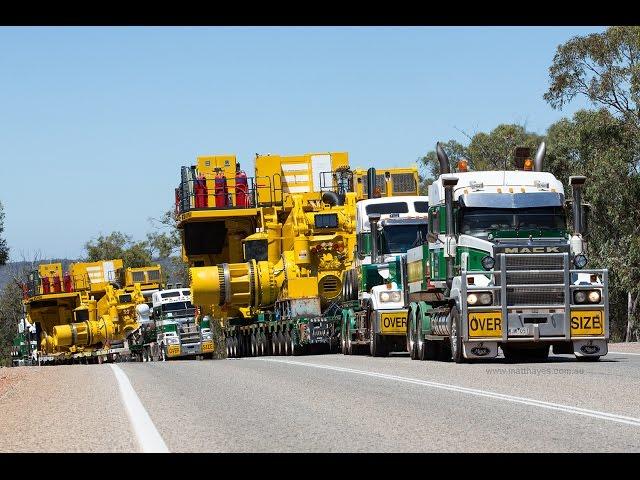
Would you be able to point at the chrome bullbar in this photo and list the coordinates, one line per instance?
(554, 312)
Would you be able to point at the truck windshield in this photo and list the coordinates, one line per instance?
(400, 238)
(176, 307)
(481, 221)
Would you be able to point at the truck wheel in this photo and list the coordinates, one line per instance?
(412, 333)
(376, 341)
(455, 338)
(377, 346)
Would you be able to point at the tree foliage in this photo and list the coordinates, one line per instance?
(119, 245)
(603, 67)
(601, 147)
(485, 151)
(4, 249)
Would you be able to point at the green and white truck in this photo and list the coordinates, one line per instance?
(501, 269)
(374, 315)
(170, 329)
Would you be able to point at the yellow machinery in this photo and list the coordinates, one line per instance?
(80, 313)
(267, 252)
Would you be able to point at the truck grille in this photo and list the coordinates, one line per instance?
(189, 334)
(548, 295)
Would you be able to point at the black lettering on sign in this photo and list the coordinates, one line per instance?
(597, 323)
(488, 323)
(394, 322)
(574, 322)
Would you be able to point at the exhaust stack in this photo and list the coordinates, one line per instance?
(542, 150)
(371, 182)
(443, 159)
(450, 254)
(374, 218)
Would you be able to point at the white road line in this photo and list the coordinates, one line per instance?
(149, 438)
(633, 421)
(623, 353)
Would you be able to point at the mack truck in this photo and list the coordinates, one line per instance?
(267, 252)
(170, 330)
(500, 268)
(374, 313)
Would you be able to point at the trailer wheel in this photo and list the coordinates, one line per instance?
(274, 343)
(286, 340)
(234, 347)
(455, 338)
(254, 347)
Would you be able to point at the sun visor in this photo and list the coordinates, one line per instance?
(512, 200)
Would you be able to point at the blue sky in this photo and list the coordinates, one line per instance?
(96, 122)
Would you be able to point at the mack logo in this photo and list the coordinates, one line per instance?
(590, 349)
(480, 351)
(532, 250)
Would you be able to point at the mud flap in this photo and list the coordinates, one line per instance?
(590, 348)
(480, 349)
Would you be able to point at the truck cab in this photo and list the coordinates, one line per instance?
(171, 330)
(501, 268)
(374, 313)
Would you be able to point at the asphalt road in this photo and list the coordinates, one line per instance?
(327, 403)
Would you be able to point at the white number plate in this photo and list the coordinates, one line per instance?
(519, 331)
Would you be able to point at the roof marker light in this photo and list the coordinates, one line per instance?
(528, 164)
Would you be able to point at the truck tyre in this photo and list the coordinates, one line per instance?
(377, 346)
(274, 343)
(412, 332)
(455, 337)
(287, 343)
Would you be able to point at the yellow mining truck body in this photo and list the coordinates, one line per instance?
(267, 252)
(83, 310)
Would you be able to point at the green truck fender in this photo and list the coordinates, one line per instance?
(348, 321)
(424, 317)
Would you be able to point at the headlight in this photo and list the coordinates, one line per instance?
(488, 262)
(594, 296)
(480, 298)
(390, 296)
(485, 299)
(172, 340)
(580, 296)
(580, 261)
(206, 336)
